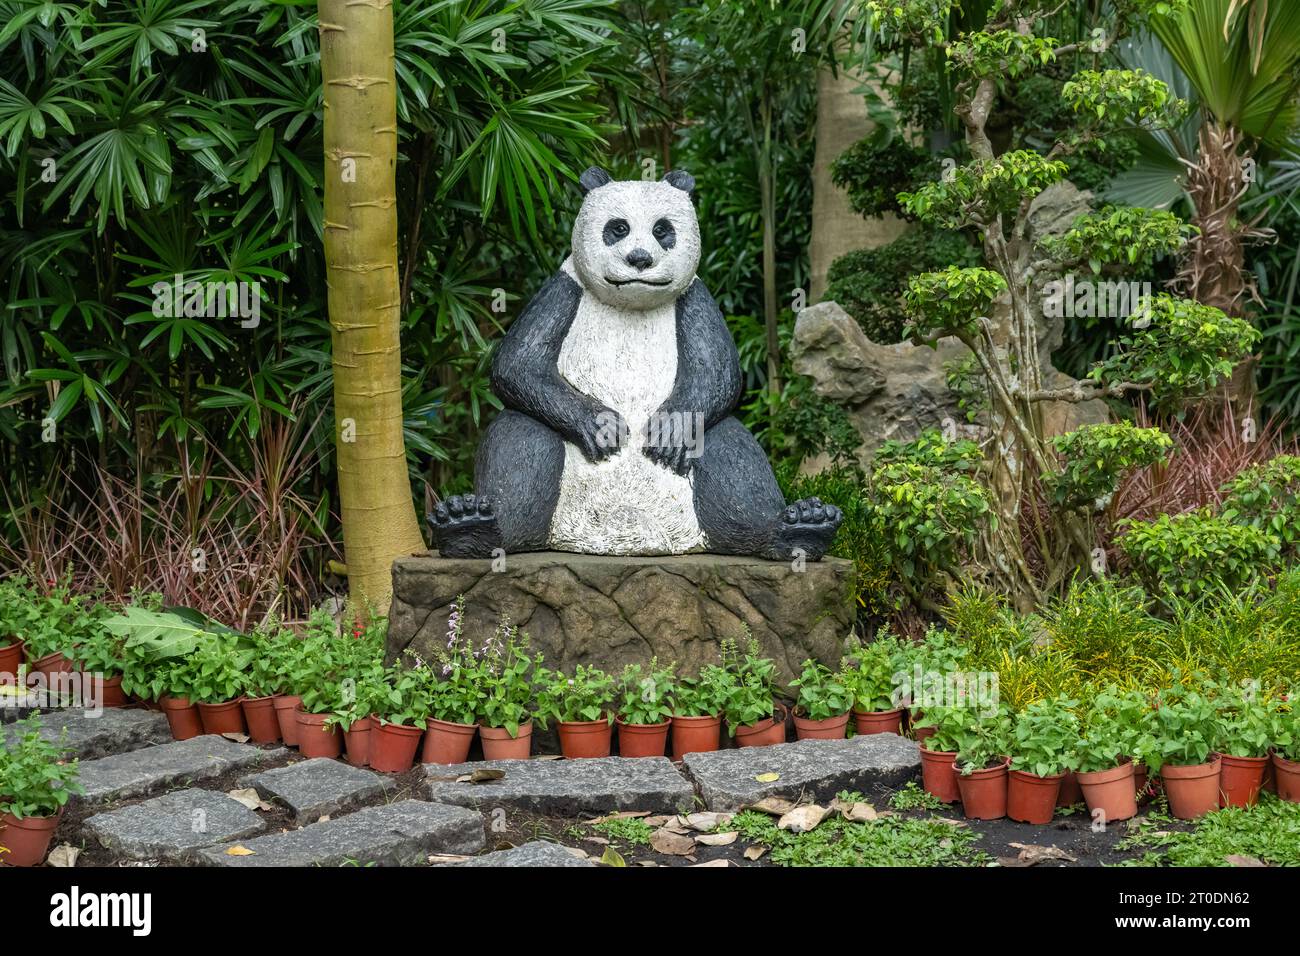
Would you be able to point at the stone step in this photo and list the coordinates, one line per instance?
(396, 834)
(816, 769)
(141, 773)
(312, 788)
(113, 730)
(566, 787)
(534, 853)
(171, 827)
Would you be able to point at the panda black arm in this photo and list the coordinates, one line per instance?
(526, 374)
(708, 380)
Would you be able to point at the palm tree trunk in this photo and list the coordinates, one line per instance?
(379, 522)
(767, 200)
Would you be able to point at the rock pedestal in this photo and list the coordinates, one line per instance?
(611, 611)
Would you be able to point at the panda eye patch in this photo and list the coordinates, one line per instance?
(665, 234)
(616, 230)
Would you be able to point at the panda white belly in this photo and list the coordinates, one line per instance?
(626, 504)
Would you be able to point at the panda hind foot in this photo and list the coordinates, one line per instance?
(465, 526)
(805, 529)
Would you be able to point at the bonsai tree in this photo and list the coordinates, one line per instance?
(1175, 348)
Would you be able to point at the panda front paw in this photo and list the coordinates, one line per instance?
(465, 526)
(601, 434)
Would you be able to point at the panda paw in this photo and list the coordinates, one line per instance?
(465, 526)
(805, 529)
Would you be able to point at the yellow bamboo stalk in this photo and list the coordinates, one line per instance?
(360, 98)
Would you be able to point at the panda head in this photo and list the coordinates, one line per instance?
(636, 245)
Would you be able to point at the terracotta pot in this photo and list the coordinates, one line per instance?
(28, 839)
(1070, 793)
(764, 733)
(356, 741)
(984, 792)
(107, 690)
(878, 721)
(55, 663)
(695, 735)
(1193, 790)
(223, 718)
(832, 728)
(499, 745)
(643, 740)
(286, 709)
(182, 717)
(1287, 774)
(315, 739)
(393, 747)
(1031, 798)
(585, 738)
(1240, 780)
(938, 775)
(11, 656)
(259, 715)
(446, 741)
(1112, 791)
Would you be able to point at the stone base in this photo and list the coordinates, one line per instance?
(611, 611)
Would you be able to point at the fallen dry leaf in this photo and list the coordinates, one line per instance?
(240, 851)
(854, 811)
(770, 777)
(438, 858)
(712, 863)
(802, 819)
(659, 820)
(1238, 859)
(620, 815)
(1031, 855)
(646, 863)
(775, 806)
(249, 798)
(704, 821)
(482, 775)
(65, 854)
(580, 853)
(324, 818)
(718, 839)
(664, 840)
(612, 857)
(237, 738)
(595, 839)
(755, 852)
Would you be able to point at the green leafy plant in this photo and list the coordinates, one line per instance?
(507, 695)
(213, 674)
(588, 695)
(752, 678)
(1097, 457)
(646, 693)
(982, 740)
(1247, 721)
(704, 695)
(1183, 724)
(36, 778)
(823, 693)
(1115, 726)
(403, 698)
(1267, 497)
(1196, 553)
(1045, 736)
(874, 674)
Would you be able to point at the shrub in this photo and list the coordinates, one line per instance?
(868, 284)
(1267, 497)
(33, 780)
(1196, 553)
(874, 173)
(874, 673)
(1114, 726)
(1097, 457)
(1183, 726)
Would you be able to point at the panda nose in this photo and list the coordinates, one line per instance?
(639, 259)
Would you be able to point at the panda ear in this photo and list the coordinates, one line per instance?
(593, 178)
(682, 180)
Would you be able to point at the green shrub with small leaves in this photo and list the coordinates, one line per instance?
(704, 695)
(873, 673)
(753, 682)
(977, 193)
(873, 173)
(1182, 727)
(1097, 457)
(823, 693)
(36, 777)
(1196, 553)
(1122, 97)
(1000, 53)
(1267, 497)
(1128, 235)
(588, 695)
(950, 302)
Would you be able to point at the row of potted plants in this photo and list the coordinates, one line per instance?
(1210, 745)
(36, 781)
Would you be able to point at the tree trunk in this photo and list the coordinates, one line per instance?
(379, 522)
(767, 199)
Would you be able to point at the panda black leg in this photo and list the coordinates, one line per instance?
(739, 504)
(517, 473)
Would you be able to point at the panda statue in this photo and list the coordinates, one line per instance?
(620, 382)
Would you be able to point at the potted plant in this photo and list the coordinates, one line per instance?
(582, 706)
(361, 690)
(982, 766)
(697, 704)
(1245, 736)
(821, 711)
(1042, 750)
(401, 710)
(175, 692)
(1184, 724)
(453, 694)
(55, 624)
(1286, 752)
(946, 727)
(645, 709)
(754, 717)
(216, 684)
(35, 785)
(268, 671)
(876, 709)
(99, 659)
(1110, 743)
(14, 605)
(506, 694)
